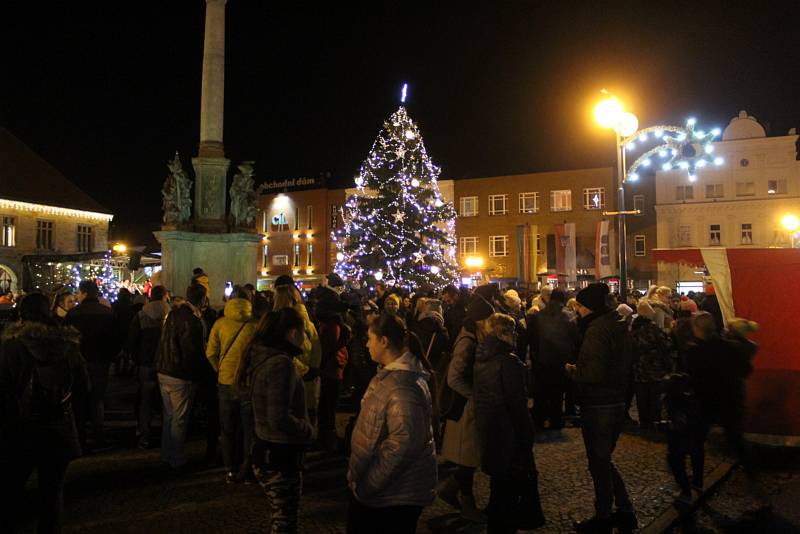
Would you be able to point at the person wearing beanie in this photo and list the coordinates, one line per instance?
(200, 277)
(284, 280)
(601, 375)
(512, 301)
(687, 305)
(391, 305)
(460, 443)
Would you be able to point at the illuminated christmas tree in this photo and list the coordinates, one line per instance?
(398, 228)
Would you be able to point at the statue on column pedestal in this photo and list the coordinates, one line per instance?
(176, 194)
(244, 199)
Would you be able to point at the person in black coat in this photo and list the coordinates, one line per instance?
(601, 374)
(181, 364)
(505, 430)
(100, 345)
(553, 339)
(41, 373)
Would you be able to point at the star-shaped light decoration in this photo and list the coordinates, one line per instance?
(680, 148)
(398, 216)
(419, 257)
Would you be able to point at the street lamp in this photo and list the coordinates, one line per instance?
(791, 223)
(685, 148)
(610, 113)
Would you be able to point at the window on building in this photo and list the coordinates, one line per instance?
(297, 218)
(594, 198)
(310, 217)
(528, 202)
(468, 206)
(561, 200)
(639, 248)
(85, 238)
(498, 245)
(264, 221)
(638, 203)
(714, 235)
(498, 204)
(265, 257)
(714, 191)
(44, 235)
(745, 189)
(334, 216)
(776, 187)
(467, 246)
(684, 192)
(296, 259)
(539, 249)
(309, 255)
(685, 235)
(747, 234)
(8, 239)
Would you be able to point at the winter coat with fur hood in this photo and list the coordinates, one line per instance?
(23, 346)
(393, 458)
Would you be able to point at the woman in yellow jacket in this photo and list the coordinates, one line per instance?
(230, 336)
(307, 364)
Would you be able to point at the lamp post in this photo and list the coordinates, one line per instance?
(610, 114)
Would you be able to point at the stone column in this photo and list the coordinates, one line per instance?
(210, 165)
(212, 98)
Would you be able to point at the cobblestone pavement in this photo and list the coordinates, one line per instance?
(128, 490)
(729, 510)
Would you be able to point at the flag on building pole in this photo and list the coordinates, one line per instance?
(602, 251)
(571, 253)
(561, 246)
(533, 232)
(522, 259)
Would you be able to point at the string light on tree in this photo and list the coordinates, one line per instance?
(397, 225)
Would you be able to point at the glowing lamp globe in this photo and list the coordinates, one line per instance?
(339, 256)
(790, 222)
(608, 113)
(378, 276)
(628, 124)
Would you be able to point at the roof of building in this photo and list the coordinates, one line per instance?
(743, 126)
(26, 177)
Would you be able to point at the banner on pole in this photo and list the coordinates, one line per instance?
(602, 256)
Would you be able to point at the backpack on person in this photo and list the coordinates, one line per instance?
(48, 392)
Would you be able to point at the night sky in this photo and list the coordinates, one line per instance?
(107, 91)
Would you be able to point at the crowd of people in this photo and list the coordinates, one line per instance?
(442, 382)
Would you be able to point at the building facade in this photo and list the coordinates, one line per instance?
(296, 231)
(510, 229)
(43, 214)
(544, 228)
(738, 204)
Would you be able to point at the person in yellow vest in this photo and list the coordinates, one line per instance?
(230, 336)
